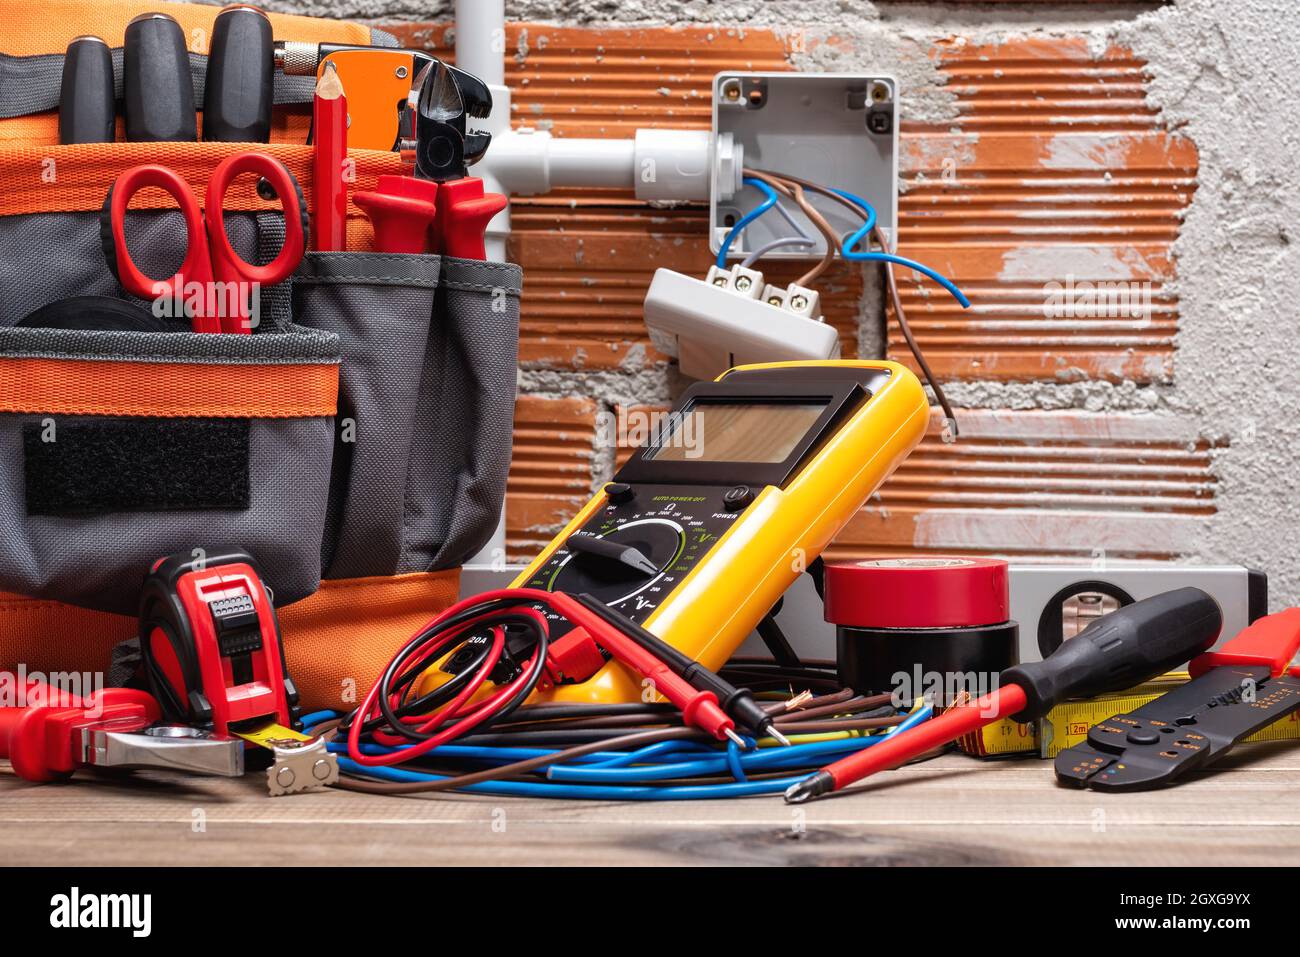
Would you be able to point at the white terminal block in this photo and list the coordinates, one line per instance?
(729, 319)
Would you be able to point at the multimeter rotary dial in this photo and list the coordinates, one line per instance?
(625, 563)
(634, 552)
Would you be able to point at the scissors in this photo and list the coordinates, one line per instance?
(214, 282)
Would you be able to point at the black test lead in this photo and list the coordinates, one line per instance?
(739, 703)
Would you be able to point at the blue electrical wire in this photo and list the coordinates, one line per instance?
(847, 250)
(868, 210)
(748, 218)
(309, 721)
(765, 758)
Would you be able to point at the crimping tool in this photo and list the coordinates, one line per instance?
(56, 733)
(1244, 686)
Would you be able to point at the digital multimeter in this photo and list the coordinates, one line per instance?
(747, 480)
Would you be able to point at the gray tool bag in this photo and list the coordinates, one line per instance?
(356, 443)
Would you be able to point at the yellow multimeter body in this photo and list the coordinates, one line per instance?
(745, 483)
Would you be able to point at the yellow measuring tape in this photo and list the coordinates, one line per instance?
(302, 762)
(1067, 724)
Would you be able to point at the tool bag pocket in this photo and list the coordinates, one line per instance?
(119, 447)
(426, 405)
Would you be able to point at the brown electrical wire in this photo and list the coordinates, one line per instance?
(901, 315)
(792, 189)
(800, 721)
(891, 281)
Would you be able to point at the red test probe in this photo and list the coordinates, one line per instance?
(481, 622)
(1126, 647)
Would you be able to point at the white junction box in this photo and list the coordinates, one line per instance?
(836, 129)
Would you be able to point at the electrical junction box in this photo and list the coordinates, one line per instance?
(835, 129)
(733, 317)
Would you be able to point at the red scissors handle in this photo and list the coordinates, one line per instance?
(214, 283)
(197, 267)
(227, 265)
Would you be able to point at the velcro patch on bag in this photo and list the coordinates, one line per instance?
(130, 465)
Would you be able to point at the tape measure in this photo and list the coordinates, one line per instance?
(742, 485)
(1067, 725)
(903, 624)
(210, 643)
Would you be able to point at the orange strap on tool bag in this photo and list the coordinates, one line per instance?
(357, 444)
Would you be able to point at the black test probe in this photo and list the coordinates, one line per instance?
(738, 703)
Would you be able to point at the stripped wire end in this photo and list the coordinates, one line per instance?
(798, 701)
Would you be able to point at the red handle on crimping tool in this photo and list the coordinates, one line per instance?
(1272, 640)
(41, 740)
(401, 210)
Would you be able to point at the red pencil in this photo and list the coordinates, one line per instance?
(329, 224)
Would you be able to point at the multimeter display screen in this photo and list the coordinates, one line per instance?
(735, 432)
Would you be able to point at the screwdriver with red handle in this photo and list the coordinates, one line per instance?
(1122, 649)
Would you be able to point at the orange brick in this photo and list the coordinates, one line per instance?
(551, 471)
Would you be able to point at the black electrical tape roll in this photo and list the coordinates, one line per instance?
(98, 312)
(909, 661)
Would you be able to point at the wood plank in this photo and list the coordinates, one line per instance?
(952, 810)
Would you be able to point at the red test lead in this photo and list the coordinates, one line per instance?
(1122, 649)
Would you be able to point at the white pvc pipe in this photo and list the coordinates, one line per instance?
(481, 39)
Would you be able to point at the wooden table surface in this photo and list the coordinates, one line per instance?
(951, 810)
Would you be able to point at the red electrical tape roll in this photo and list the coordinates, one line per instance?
(917, 593)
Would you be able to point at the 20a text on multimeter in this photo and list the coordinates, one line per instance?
(710, 521)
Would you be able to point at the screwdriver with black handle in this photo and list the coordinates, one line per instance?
(1130, 645)
(238, 90)
(738, 703)
(87, 101)
(157, 87)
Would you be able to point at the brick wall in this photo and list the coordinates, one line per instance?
(1054, 170)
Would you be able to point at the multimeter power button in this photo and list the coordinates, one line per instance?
(619, 492)
(737, 497)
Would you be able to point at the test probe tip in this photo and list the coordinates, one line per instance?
(740, 742)
(812, 786)
(776, 735)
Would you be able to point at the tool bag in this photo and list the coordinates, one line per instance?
(357, 443)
